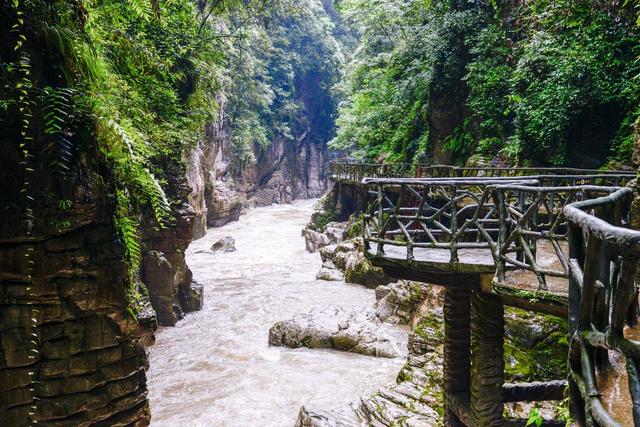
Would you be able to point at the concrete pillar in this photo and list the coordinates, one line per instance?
(487, 358)
(457, 352)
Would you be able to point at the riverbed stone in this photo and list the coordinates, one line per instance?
(356, 331)
(314, 240)
(192, 297)
(359, 270)
(400, 302)
(330, 273)
(226, 244)
(336, 231)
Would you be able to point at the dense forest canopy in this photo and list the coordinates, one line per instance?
(545, 82)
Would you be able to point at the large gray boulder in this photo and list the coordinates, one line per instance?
(356, 331)
(226, 244)
(330, 273)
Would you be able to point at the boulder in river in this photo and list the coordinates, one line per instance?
(330, 273)
(356, 331)
(226, 244)
(191, 296)
(314, 240)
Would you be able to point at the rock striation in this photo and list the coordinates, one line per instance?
(69, 350)
(164, 268)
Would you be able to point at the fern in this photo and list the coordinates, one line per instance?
(57, 110)
(143, 8)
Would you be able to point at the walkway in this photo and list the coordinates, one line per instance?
(549, 240)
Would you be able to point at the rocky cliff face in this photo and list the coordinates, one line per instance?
(69, 351)
(284, 171)
(164, 268)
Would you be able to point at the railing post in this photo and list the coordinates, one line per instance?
(454, 225)
(503, 233)
(380, 249)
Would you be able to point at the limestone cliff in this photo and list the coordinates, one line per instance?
(284, 171)
(69, 350)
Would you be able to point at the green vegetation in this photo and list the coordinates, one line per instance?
(539, 82)
(126, 87)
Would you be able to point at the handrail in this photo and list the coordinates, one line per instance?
(508, 217)
(586, 225)
(347, 170)
(603, 300)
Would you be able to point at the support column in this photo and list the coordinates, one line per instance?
(487, 358)
(457, 352)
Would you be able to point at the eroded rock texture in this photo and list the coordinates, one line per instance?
(345, 259)
(69, 354)
(336, 328)
(282, 172)
(165, 271)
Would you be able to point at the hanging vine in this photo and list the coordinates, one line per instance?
(23, 87)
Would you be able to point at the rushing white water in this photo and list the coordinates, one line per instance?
(215, 368)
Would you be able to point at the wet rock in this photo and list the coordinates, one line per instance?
(192, 296)
(359, 270)
(336, 231)
(337, 253)
(164, 268)
(330, 273)
(223, 205)
(310, 418)
(226, 244)
(314, 240)
(336, 328)
(349, 258)
(400, 302)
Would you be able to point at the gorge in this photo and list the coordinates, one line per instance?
(135, 133)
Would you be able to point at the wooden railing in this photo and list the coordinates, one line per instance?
(345, 170)
(578, 219)
(603, 300)
(506, 218)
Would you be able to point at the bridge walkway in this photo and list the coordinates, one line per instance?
(553, 241)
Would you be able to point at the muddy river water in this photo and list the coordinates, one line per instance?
(216, 368)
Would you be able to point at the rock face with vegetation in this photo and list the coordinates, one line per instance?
(66, 336)
(268, 142)
(515, 82)
(164, 269)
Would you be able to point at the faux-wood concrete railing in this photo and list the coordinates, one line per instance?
(603, 301)
(515, 241)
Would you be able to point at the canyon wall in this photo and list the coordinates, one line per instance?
(284, 171)
(70, 353)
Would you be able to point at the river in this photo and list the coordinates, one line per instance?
(216, 368)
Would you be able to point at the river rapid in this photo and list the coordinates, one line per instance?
(216, 368)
